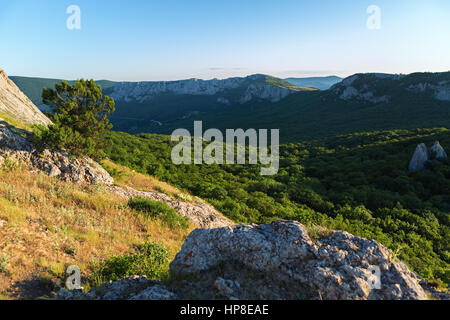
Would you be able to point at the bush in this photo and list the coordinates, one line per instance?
(150, 259)
(79, 117)
(159, 210)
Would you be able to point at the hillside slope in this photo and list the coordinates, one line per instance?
(322, 83)
(161, 106)
(359, 183)
(33, 87)
(361, 103)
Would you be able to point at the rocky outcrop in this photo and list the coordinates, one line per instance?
(419, 158)
(14, 148)
(349, 90)
(438, 151)
(340, 266)
(422, 155)
(269, 261)
(130, 288)
(197, 212)
(17, 105)
(255, 87)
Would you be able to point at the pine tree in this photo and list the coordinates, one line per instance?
(80, 119)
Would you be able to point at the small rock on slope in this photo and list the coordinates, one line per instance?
(14, 147)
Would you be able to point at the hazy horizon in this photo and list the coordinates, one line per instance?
(171, 40)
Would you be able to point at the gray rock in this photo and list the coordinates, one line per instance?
(339, 266)
(15, 103)
(146, 91)
(438, 151)
(53, 163)
(419, 158)
(156, 292)
(130, 288)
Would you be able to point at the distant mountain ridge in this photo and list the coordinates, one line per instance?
(322, 83)
(381, 87)
(359, 103)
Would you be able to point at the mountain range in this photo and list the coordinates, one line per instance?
(362, 102)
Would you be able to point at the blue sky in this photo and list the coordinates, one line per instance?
(178, 39)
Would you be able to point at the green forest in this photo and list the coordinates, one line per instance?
(358, 182)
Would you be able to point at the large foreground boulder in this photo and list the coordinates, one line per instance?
(340, 266)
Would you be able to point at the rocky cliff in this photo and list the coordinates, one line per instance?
(422, 155)
(381, 88)
(17, 150)
(16, 105)
(255, 86)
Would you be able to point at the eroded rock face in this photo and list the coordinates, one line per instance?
(438, 151)
(17, 149)
(146, 91)
(338, 267)
(15, 103)
(266, 92)
(199, 213)
(419, 158)
(422, 155)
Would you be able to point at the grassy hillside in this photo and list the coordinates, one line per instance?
(47, 225)
(357, 182)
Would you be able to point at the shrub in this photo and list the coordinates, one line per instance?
(4, 261)
(149, 259)
(159, 210)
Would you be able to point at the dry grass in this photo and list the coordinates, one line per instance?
(124, 176)
(46, 225)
